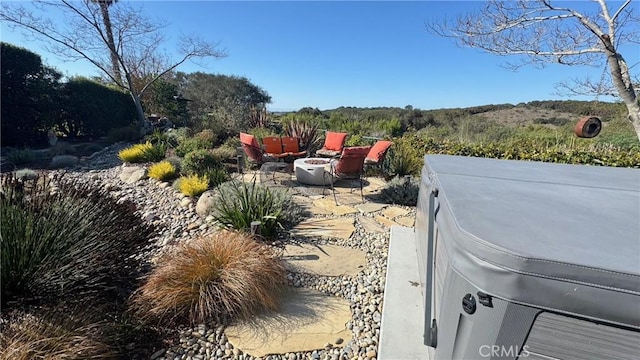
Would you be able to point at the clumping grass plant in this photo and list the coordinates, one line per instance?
(223, 277)
(73, 243)
(55, 336)
(146, 152)
(162, 171)
(241, 203)
(193, 185)
(21, 156)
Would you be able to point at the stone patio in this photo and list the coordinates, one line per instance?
(308, 319)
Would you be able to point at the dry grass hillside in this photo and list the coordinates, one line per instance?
(522, 116)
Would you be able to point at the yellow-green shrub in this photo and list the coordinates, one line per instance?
(143, 153)
(193, 185)
(162, 171)
(135, 153)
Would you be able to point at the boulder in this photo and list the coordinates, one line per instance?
(204, 203)
(63, 161)
(131, 174)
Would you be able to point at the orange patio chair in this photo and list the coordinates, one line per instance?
(333, 144)
(291, 146)
(350, 165)
(378, 152)
(253, 150)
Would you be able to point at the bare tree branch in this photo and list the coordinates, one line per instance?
(136, 40)
(537, 32)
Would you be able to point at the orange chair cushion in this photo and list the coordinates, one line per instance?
(334, 141)
(291, 146)
(351, 161)
(272, 144)
(378, 151)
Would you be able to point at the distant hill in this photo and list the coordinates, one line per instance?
(550, 113)
(543, 120)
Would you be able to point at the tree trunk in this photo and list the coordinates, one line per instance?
(623, 84)
(106, 19)
(138, 104)
(634, 117)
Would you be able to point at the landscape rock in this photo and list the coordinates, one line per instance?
(132, 174)
(63, 161)
(204, 203)
(325, 260)
(307, 321)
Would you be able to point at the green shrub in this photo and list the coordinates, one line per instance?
(126, 133)
(224, 277)
(158, 137)
(71, 244)
(156, 153)
(224, 153)
(401, 191)
(197, 161)
(402, 159)
(241, 203)
(354, 140)
(21, 156)
(190, 144)
(146, 152)
(162, 171)
(580, 151)
(176, 162)
(216, 175)
(193, 185)
(207, 137)
(93, 109)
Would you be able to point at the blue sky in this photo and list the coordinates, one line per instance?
(331, 54)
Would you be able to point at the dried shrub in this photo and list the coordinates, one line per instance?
(162, 171)
(193, 185)
(55, 336)
(223, 277)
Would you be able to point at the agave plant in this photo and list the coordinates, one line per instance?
(306, 132)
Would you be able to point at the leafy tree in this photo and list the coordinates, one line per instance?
(542, 31)
(83, 35)
(29, 93)
(221, 101)
(162, 99)
(92, 109)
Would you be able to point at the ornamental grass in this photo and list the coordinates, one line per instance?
(162, 171)
(223, 277)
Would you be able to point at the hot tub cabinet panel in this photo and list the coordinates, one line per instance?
(529, 260)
